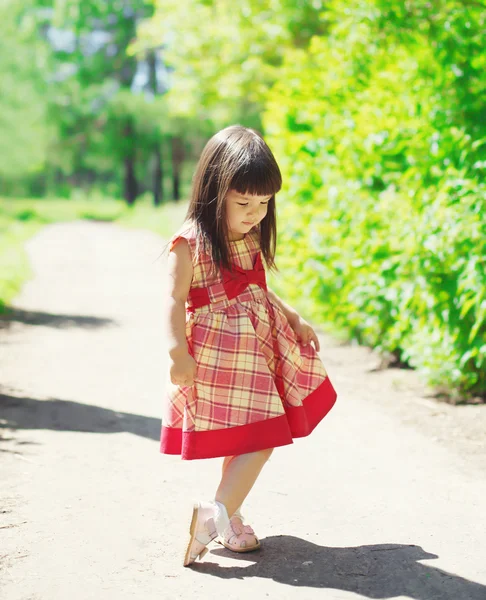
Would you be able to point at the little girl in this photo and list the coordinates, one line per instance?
(243, 375)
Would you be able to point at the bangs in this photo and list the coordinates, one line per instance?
(258, 176)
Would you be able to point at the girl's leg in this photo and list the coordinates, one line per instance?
(212, 518)
(226, 462)
(239, 474)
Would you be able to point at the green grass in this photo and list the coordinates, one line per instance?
(21, 219)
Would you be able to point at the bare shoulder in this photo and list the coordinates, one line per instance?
(180, 269)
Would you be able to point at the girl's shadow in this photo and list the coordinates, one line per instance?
(378, 571)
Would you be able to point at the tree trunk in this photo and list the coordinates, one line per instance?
(158, 176)
(130, 183)
(177, 160)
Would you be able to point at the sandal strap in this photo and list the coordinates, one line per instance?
(204, 538)
(210, 524)
(236, 530)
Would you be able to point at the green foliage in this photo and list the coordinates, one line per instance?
(68, 111)
(226, 54)
(24, 131)
(100, 120)
(384, 179)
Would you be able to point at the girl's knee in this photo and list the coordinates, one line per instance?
(266, 453)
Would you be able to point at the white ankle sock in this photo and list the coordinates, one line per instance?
(221, 519)
(237, 513)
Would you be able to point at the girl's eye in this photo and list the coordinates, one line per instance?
(264, 203)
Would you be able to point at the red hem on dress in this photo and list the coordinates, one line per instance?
(304, 419)
(299, 421)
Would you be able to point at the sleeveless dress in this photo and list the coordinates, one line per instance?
(256, 385)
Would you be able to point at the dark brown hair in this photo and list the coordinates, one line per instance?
(235, 158)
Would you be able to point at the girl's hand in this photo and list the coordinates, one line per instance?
(304, 332)
(183, 370)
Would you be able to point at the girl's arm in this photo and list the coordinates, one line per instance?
(291, 314)
(179, 279)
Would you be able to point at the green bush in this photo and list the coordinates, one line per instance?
(383, 210)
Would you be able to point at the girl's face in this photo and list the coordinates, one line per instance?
(244, 211)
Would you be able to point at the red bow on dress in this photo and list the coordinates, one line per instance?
(234, 284)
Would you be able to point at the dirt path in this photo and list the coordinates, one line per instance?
(386, 498)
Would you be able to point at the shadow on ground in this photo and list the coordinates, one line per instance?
(377, 571)
(63, 415)
(35, 317)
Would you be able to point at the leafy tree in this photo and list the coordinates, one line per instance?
(226, 54)
(24, 131)
(98, 110)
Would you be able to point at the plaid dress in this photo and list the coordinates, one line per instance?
(256, 385)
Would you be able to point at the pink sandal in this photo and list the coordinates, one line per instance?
(238, 537)
(207, 519)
